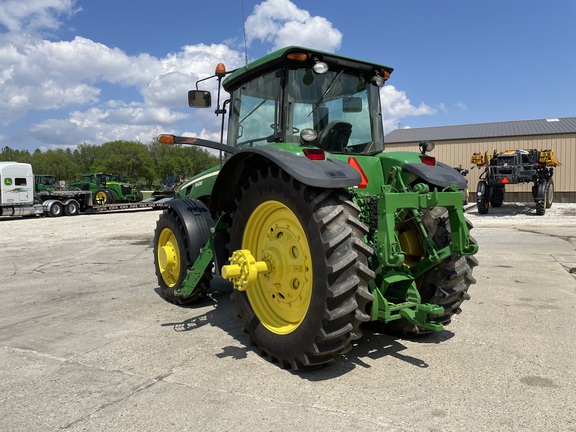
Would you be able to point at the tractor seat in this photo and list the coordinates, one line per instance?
(334, 137)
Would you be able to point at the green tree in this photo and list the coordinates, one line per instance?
(9, 155)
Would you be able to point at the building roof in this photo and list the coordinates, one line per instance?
(484, 130)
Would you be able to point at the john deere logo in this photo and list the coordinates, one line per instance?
(8, 181)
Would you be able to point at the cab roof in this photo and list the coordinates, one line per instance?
(280, 58)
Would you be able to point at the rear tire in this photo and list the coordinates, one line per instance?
(497, 197)
(307, 310)
(445, 285)
(112, 197)
(102, 197)
(56, 209)
(549, 193)
(72, 208)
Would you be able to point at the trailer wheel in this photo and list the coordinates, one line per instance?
(445, 285)
(56, 209)
(72, 208)
(307, 310)
(549, 193)
(173, 258)
(482, 197)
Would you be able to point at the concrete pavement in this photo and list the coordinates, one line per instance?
(87, 344)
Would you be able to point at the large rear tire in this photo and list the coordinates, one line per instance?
(102, 197)
(173, 258)
(445, 285)
(307, 310)
(497, 197)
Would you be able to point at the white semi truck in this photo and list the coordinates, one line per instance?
(19, 197)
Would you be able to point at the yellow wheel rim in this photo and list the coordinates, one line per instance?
(101, 197)
(168, 257)
(411, 242)
(280, 298)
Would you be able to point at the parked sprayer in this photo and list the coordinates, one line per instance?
(513, 167)
(317, 229)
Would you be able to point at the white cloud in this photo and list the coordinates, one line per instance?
(281, 23)
(72, 80)
(33, 15)
(396, 105)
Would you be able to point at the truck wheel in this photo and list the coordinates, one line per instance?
(482, 197)
(173, 258)
(307, 310)
(497, 197)
(72, 208)
(445, 285)
(549, 193)
(56, 209)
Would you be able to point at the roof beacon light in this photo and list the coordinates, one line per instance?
(220, 70)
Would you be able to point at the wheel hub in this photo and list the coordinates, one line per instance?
(280, 296)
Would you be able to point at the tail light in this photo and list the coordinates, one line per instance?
(314, 154)
(428, 160)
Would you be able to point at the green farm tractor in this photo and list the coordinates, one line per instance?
(316, 227)
(107, 189)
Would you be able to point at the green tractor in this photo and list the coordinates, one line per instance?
(45, 182)
(106, 190)
(316, 227)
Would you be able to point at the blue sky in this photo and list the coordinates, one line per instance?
(90, 71)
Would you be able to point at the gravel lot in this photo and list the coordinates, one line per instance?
(87, 343)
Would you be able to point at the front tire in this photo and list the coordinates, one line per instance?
(307, 310)
(482, 197)
(173, 258)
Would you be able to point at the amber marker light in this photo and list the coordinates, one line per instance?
(166, 139)
(298, 56)
(220, 70)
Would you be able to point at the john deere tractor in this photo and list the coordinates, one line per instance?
(315, 226)
(108, 188)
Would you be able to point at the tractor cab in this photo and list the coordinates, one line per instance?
(305, 98)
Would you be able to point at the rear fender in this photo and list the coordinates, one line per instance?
(541, 190)
(197, 221)
(329, 173)
(440, 175)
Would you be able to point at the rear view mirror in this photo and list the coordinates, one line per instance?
(199, 99)
(352, 104)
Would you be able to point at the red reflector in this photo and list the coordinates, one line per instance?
(363, 179)
(428, 160)
(505, 180)
(314, 154)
